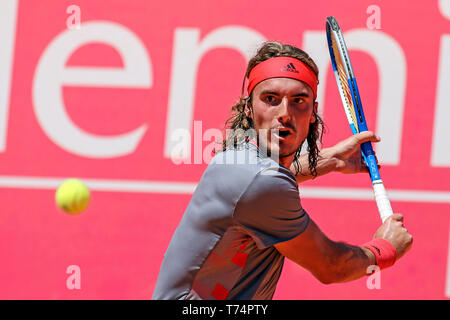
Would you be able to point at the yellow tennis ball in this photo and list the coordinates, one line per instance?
(72, 196)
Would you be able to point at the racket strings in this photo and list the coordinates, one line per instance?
(347, 63)
(344, 84)
(348, 95)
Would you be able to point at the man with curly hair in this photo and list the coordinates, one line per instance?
(245, 215)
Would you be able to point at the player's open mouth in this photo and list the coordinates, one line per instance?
(283, 133)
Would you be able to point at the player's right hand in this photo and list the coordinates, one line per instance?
(394, 231)
(348, 152)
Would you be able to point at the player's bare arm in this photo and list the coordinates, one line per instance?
(333, 262)
(344, 157)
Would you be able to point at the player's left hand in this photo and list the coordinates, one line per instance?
(348, 152)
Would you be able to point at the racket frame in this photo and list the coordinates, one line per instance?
(336, 39)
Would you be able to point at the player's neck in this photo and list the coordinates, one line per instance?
(286, 161)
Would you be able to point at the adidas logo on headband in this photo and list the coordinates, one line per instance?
(290, 67)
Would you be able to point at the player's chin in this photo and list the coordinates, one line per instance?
(284, 147)
(289, 144)
(285, 153)
(287, 149)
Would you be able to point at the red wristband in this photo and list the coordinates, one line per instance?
(384, 252)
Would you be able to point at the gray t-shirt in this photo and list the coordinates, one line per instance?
(223, 247)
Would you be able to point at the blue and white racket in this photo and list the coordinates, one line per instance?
(348, 90)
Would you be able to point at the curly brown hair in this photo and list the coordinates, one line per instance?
(240, 124)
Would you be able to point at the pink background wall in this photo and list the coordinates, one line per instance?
(139, 194)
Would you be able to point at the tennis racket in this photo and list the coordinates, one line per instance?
(348, 90)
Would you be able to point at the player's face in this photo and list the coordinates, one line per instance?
(284, 108)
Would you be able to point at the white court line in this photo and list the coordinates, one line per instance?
(367, 194)
(100, 184)
(168, 187)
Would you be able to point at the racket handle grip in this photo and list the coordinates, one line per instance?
(383, 203)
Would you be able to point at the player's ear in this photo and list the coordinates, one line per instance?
(313, 116)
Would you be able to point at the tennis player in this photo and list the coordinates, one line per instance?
(245, 215)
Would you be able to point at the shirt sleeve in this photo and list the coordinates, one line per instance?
(270, 209)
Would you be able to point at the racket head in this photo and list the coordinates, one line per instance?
(342, 70)
(348, 89)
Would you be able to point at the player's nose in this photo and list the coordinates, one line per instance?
(283, 111)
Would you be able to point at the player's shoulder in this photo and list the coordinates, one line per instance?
(247, 164)
(245, 157)
(274, 180)
(270, 190)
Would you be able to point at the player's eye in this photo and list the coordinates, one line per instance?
(270, 99)
(298, 100)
